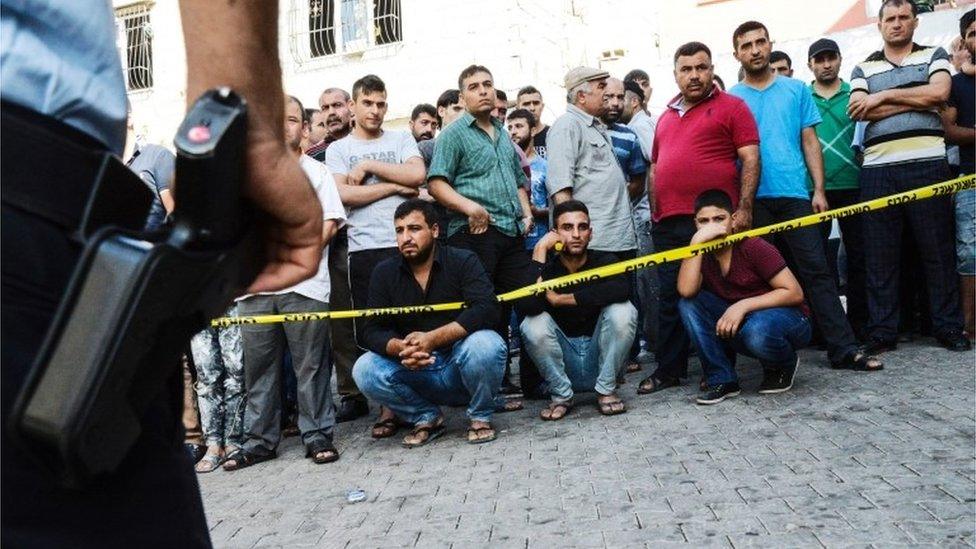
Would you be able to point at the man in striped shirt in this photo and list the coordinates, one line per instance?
(898, 91)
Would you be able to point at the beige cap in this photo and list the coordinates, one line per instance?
(579, 75)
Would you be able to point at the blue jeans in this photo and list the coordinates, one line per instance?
(771, 336)
(471, 374)
(581, 363)
(965, 203)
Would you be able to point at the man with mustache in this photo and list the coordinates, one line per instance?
(423, 122)
(334, 104)
(375, 170)
(710, 130)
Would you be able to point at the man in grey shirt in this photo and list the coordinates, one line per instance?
(582, 164)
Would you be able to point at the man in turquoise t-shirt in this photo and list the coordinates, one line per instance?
(789, 149)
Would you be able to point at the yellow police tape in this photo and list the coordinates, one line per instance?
(939, 189)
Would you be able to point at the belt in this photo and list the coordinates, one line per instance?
(56, 172)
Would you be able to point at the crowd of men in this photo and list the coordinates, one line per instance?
(476, 199)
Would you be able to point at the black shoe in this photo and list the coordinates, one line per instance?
(779, 380)
(718, 393)
(351, 409)
(954, 340)
(196, 451)
(876, 346)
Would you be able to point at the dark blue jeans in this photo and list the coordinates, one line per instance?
(771, 336)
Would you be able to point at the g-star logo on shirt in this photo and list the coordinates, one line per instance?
(384, 156)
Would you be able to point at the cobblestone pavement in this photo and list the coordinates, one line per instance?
(844, 459)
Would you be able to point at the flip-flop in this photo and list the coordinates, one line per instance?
(859, 362)
(657, 384)
(433, 431)
(552, 407)
(317, 448)
(607, 407)
(479, 440)
(242, 458)
(391, 425)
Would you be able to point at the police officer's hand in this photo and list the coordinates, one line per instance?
(292, 220)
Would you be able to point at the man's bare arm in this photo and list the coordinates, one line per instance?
(410, 173)
(956, 134)
(226, 55)
(813, 156)
(931, 95)
(748, 183)
(636, 185)
(562, 196)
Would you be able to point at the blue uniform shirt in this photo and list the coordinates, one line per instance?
(58, 58)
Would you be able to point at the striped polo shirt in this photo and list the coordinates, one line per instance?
(909, 136)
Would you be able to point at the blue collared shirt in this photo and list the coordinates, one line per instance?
(58, 58)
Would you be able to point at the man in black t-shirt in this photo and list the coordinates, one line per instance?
(530, 99)
(578, 335)
(959, 120)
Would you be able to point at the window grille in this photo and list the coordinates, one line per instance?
(322, 28)
(138, 46)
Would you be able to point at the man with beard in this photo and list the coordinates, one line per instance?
(630, 156)
(520, 124)
(530, 99)
(898, 91)
(423, 122)
(714, 132)
(334, 103)
(637, 118)
(417, 363)
(786, 116)
(836, 133)
(780, 63)
(578, 335)
(375, 171)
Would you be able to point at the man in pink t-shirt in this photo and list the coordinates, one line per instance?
(740, 299)
(698, 142)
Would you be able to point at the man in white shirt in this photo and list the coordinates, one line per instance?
(308, 342)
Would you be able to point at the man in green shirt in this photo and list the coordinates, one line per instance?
(841, 169)
(475, 174)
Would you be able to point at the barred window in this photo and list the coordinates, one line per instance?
(322, 28)
(138, 46)
(386, 21)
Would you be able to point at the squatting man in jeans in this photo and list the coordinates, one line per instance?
(579, 335)
(740, 299)
(419, 362)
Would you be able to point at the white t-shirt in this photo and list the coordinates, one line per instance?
(371, 226)
(324, 184)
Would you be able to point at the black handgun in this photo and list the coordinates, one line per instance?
(135, 300)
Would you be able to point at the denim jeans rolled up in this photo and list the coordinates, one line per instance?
(584, 363)
(470, 374)
(771, 336)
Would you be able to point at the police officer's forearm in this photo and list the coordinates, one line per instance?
(235, 43)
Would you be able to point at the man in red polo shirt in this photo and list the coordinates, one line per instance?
(697, 143)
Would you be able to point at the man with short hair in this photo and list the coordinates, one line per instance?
(417, 363)
(740, 299)
(476, 174)
(713, 131)
(449, 108)
(630, 157)
(520, 124)
(642, 79)
(579, 335)
(582, 164)
(500, 112)
(317, 130)
(375, 171)
(334, 105)
(530, 99)
(959, 119)
(898, 90)
(336, 121)
(308, 342)
(423, 122)
(781, 64)
(786, 116)
(841, 170)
